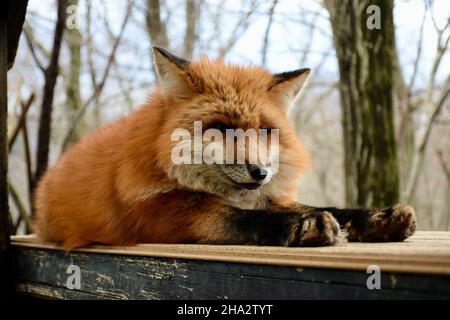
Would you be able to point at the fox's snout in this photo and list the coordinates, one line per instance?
(258, 172)
(248, 176)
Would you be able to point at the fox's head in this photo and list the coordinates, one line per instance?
(227, 130)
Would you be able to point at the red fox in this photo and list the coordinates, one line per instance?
(120, 186)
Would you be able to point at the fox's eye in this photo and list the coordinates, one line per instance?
(222, 127)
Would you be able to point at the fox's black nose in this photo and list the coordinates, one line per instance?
(257, 172)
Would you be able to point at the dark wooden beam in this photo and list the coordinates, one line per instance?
(16, 16)
(46, 274)
(11, 21)
(4, 210)
(5, 285)
(418, 268)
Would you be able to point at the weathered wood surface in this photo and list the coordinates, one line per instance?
(416, 269)
(12, 15)
(425, 253)
(4, 209)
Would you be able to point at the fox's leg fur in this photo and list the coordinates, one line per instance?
(189, 217)
(394, 223)
(200, 218)
(260, 227)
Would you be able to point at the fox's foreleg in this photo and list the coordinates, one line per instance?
(274, 228)
(201, 219)
(394, 223)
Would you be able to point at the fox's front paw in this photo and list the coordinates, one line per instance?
(315, 229)
(392, 224)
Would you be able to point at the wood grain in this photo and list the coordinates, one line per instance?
(424, 253)
(43, 273)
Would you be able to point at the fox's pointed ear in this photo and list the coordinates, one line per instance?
(172, 72)
(285, 86)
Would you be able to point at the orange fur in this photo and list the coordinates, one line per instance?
(118, 185)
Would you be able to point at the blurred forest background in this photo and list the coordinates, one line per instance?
(375, 113)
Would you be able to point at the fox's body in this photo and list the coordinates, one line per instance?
(119, 185)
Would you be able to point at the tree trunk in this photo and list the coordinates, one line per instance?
(267, 33)
(190, 35)
(156, 27)
(366, 68)
(51, 74)
(405, 133)
(74, 39)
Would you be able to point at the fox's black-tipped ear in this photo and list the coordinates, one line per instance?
(172, 73)
(286, 86)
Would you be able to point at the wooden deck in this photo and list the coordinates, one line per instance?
(418, 268)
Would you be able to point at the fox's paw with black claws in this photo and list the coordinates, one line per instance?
(392, 224)
(314, 229)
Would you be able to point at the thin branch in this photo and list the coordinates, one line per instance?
(434, 115)
(419, 155)
(429, 5)
(99, 87)
(216, 23)
(239, 29)
(440, 51)
(125, 90)
(51, 76)
(418, 52)
(26, 150)
(90, 59)
(444, 165)
(302, 21)
(310, 32)
(267, 33)
(302, 118)
(295, 113)
(192, 16)
(21, 121)
(23, 215)
(29, 39)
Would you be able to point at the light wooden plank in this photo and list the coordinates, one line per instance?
(425, 252)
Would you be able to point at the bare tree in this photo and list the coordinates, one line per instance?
(434, 106)
(98, 88)
(51, 75)
(192, 17)
(267, 32)
(446, 169)
(239, 28)
(90, 60)
(365, 59)
(156, 26)
(72, 75)
(194, 27)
